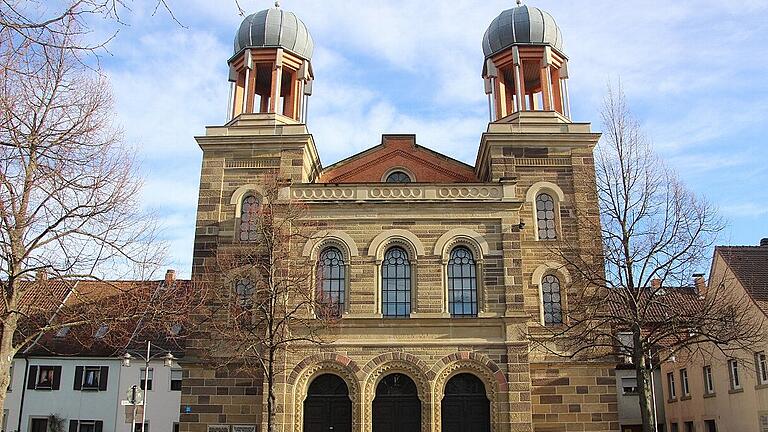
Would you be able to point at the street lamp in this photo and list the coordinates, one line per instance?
(168, 360)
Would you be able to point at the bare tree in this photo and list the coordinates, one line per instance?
(69, 204)
(655, 234)
(264, 300)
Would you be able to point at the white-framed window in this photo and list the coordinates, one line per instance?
(44, 377)
(86, 425)
(91, 377)
(176, 375)
(138, 427)
(629, 386)
(684, 382)
(761, 360)
(671, 385)
(735, 374)
(142, 378)
(709, 382)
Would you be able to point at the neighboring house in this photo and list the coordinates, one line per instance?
(720, 393)
(86, 393)
(676, 298)
(75, 375)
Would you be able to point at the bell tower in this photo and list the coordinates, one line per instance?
(525, 67)
(271, 71)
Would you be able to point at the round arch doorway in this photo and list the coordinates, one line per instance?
(327, 406)
(396, 407)
(465, 407)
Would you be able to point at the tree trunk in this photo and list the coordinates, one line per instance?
(7, 352)
(271, 392)
(644, 377)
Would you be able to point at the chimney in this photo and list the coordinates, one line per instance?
(170, 277)
(764, 242)
(41, 275)
(699, 282)
(655, 283)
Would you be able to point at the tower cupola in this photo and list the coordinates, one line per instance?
(271, 69)
(525, 66)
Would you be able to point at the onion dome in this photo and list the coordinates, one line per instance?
(522, 25)
(275, 28)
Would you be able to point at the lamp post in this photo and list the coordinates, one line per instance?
(168, 359)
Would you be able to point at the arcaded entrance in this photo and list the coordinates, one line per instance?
(397, 407)
(328, 407)
(465, 407)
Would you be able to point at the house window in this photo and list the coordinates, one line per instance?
(175, 427)
(629, 386)
(244, 290)
(762, 367)
(545, 217)
(138, 428)
(86, 425)
(673, 427)
(764, 423)
(44, 377)
(551, 299)
(710, 426)
(249, 218)
(142, 378)
(671, 386)
(91, 377)
(10, 379)
(398, 177)
(626, 345)
(684, 382)
(396, 283)
(176, 375)
(39, 425)
(733, 370)
(709, 382)
(462, 283)
(62, 332)
(689, 427)
(331, 282)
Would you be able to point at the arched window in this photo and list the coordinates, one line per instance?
(545, 217)
(462, 283)
(396, 283)
(244, 290)
(331, 282)
(249, 218)
(551, 300)
(398, 177)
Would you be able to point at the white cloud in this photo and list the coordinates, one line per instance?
(689, 68)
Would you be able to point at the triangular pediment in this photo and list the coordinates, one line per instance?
(399, 152)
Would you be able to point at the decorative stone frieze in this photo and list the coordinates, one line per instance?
(399, 192)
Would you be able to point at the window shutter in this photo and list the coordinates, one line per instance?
(99, 425)
(78, 378)
(73, 426)
(103, 376)
(56, 378)
(32, 377)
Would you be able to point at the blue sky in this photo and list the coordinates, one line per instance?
(694, 73)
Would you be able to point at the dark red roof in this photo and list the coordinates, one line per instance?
(750, 266)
